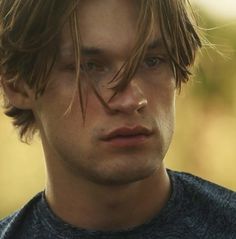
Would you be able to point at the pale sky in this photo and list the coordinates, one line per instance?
(225, 8)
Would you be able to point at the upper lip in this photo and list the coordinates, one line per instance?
(127, 131)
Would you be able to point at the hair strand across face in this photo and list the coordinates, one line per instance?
(30, 36)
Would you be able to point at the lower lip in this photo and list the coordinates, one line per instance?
(131, 141)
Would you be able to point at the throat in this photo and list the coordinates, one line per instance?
(112, 208)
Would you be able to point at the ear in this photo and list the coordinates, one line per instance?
(18, 93)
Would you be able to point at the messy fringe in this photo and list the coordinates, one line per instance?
(29, 52)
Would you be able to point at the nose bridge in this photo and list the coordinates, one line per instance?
(129, 100)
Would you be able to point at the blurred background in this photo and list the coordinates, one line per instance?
(205, 138)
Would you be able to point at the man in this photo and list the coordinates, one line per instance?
(97, 79)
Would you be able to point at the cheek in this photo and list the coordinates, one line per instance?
(161, 91)
(55, 112)
(161, 99)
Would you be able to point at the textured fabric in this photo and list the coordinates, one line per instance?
(196, 209)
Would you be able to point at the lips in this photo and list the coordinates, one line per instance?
(127, 136)
(128, 132)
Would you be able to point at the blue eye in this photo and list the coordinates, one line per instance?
(70, 67)
(151, 62)
(92, 67)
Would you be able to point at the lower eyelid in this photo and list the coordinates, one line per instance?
(70, 67)
(156, 60)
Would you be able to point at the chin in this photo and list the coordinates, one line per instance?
(116, 170)
(122, 176)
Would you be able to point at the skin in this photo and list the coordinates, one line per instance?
(92, 184)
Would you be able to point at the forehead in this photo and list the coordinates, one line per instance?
(107, 24)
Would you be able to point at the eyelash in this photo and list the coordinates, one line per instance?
(70, 67)
(93, 66)
(154, 60)
(150, 62)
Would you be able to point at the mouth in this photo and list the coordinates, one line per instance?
(128, 137)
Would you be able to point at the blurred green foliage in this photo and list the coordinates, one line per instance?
(216, 73)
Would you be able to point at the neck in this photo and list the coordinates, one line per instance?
(98, 207)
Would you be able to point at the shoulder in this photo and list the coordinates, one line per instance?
(10, 225)
(198, 188)
(206, 203)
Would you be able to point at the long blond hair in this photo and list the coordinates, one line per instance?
(29, 37)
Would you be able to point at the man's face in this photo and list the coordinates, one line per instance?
(124, 145)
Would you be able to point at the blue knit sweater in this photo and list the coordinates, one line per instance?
(196, 209)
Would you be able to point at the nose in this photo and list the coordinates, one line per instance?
(130, 100)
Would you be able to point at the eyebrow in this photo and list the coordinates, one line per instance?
(90, 51)
(93, 51)
(156, 44)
